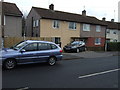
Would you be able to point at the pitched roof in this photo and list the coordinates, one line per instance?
(113, 25)
(65, 16)
(11, 9)
(118, 25)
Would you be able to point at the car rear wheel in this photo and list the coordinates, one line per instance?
(9, 64)
(52, 61)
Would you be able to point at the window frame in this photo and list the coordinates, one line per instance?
(4, 20)
(108, 31)
(86, 27)
(72, 25)
(37, 23)
(31, 50)
(98, 28)
(48, 48)
(98, 41)
(34, 23)
(56, 24)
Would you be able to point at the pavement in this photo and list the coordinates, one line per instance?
(89, 54)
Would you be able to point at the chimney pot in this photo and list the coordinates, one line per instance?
(84, 12)
(51, 7)
(112, 20)
(104, 19)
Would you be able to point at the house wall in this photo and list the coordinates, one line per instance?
(47, 30)
(30, 31)
(92, 35)
(92, 32)
(91, 42)
(113, 36)
(0, 20)
(12, 26)
(119, 11)
(118, 35)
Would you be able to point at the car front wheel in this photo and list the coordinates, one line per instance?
(52, 61)
(9, 64)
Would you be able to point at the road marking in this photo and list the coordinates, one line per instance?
(94, 74)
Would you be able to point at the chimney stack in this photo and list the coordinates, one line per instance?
(104, 19)
(84, 12)
(51, 7)
(112, 20)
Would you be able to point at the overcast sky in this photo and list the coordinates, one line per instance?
(97, 8)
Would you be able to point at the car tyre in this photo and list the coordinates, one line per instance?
(9, 64)
(52, 61)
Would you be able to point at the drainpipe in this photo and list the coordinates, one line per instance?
(1, 25)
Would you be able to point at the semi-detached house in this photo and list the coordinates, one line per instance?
(65, 27)
(113, 31)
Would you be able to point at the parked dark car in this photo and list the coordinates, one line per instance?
(31, 51)
(75, 46)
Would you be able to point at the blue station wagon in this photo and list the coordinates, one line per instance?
(31, 51)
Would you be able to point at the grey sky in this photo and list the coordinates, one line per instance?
(97, 8)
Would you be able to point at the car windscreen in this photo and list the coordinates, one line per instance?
(19, 45)
(74, 43)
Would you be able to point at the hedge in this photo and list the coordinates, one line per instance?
(113, 46)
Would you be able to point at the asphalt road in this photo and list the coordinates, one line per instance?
(78, 73)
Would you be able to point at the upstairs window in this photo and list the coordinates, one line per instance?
(0, 19)
(35, 23)
(114, 32)
(108, 31)
(98, 28)
(86, 27)
(4, 20)
(72, 25)
(55, 24)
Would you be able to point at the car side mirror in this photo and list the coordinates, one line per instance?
(23, 50)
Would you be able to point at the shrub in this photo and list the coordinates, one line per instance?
(113, 46)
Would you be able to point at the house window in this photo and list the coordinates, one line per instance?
(37, 23)
(108, 31)
(114, 32)
(34, 23)
(0, 19)
(86, 27)
(114, 40)
(4, 20)
(98, 28)
(55, 24)
(97, 41)
(72, 25)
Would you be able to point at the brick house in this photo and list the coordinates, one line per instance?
(93, 32)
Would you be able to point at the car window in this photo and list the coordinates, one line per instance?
(19, 45)
(31, 47)
(74, 43)
(44, 46)
(53, 46)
